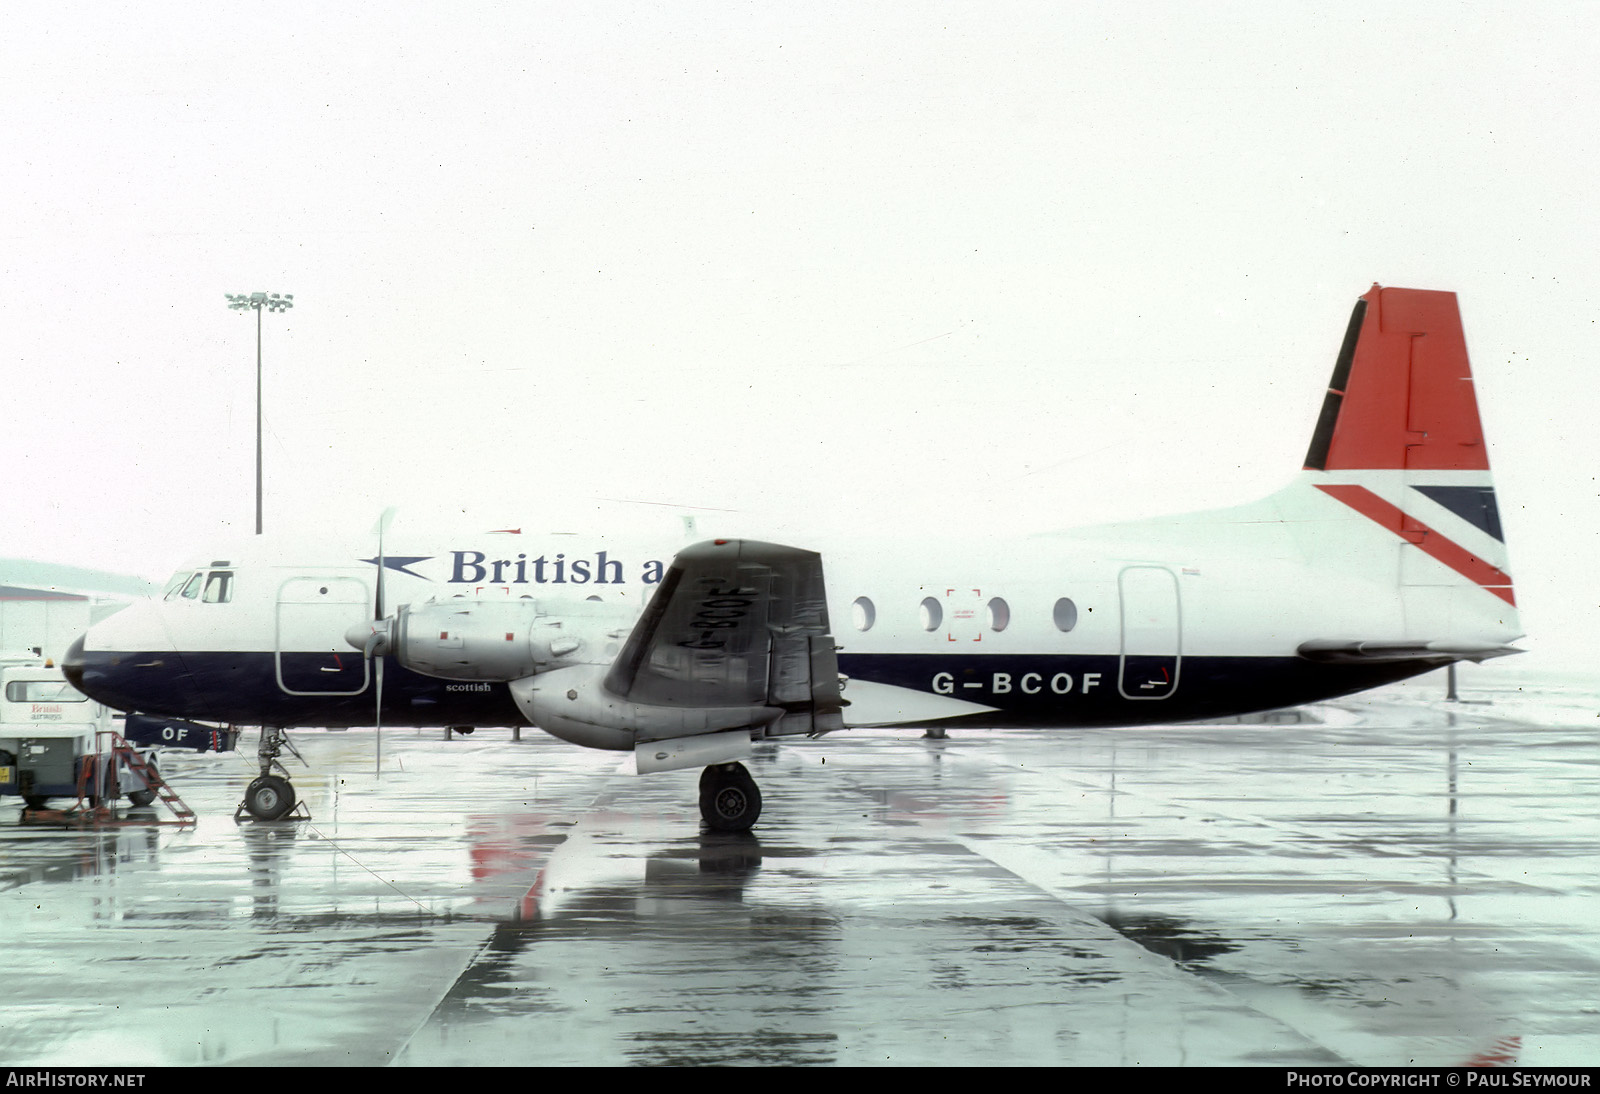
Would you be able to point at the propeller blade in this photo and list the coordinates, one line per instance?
(380, 529)
(377, 596)
(377, 721)
(378, 641)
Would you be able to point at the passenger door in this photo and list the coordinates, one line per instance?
(1152, 633)
(312, 656)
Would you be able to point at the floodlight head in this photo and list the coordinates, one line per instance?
(273, 302)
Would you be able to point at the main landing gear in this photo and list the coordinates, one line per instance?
(730, 801)
(270, 797)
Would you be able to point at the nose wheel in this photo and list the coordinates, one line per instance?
(730, 801)
(271, 797)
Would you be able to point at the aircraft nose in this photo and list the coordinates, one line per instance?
(128, 662)
(72, 664)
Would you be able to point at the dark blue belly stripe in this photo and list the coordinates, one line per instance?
(1025, 690)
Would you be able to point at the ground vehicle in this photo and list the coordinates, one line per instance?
(56, 742)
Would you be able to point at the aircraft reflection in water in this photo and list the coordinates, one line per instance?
(1382, 559)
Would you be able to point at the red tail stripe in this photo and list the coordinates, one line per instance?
(1432, 543)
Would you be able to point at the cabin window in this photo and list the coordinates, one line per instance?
(999, 614)
(219, 587)
(191, 590)
(1066, 615)
(863, 614)
(932, 614)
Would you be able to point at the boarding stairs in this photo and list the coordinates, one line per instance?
(92, 807)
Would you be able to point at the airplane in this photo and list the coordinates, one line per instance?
(1382, 559)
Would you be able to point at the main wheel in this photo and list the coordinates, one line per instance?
(142, 798)
(269, 797)
(730, 801)
(110, 787)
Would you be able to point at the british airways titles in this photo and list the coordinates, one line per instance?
(475, 567)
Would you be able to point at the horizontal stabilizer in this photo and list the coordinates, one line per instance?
(1336, 651)
(177, 733)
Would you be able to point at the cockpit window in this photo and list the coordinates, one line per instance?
(208, 587)
(219, 587)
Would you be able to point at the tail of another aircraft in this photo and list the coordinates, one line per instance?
(1397, 485)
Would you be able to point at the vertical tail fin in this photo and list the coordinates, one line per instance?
(1399, 445)
(1401, 397)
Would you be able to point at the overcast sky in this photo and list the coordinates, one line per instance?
(864, 264)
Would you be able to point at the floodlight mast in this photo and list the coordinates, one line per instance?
(255, 302)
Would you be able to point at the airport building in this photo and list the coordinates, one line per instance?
(44, 606)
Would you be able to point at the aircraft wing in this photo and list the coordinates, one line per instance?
(736, 623)
(734, 644)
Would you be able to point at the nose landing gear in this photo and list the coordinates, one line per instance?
(271, 797)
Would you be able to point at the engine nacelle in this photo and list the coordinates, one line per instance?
(467, 639)
(574, 704)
